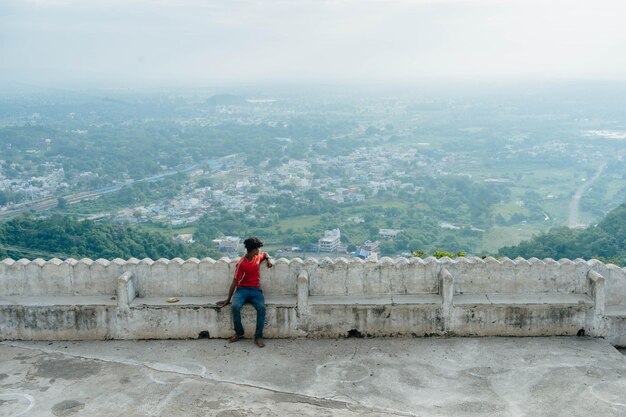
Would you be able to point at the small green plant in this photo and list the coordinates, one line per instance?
(438, 254)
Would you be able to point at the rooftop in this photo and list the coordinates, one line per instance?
(556, 376)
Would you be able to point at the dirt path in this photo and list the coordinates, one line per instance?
(574, 205)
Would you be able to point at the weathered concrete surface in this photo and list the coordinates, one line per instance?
(347, 377)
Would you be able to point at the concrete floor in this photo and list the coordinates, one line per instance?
(559, 376)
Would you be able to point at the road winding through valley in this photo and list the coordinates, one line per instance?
(574, 205)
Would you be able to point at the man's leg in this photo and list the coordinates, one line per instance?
(258, 301)
(238, 300)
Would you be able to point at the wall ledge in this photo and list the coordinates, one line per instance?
(325, 261)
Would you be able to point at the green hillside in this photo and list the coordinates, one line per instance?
(63, 237)
(606, 241)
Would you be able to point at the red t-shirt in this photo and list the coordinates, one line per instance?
(247, 272)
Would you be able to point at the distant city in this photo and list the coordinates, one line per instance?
(367, 176)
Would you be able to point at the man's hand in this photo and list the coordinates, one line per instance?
(222, 303)
(269, 264)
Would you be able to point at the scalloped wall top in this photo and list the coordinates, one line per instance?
(320, 261)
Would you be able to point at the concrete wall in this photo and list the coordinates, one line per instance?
(208, 277)
(73, 299)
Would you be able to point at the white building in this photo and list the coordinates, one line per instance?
(330, 241)
(228, 244)
(388, 233)
(368, 250)
(185, 238)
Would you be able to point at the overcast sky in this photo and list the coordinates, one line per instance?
(230, 41)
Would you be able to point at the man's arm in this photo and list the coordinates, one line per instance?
(231, 291)
(267, 259)
(237, 278)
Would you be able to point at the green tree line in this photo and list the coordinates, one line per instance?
(78, 239)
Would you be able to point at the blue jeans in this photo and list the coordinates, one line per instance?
(255, 297)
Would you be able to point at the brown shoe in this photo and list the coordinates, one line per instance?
(234, 338)
(259, 342)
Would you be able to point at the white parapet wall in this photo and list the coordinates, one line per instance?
(132, 299)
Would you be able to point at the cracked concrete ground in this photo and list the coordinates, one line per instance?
(348, 377)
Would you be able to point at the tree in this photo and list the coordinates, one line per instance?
(387, 248)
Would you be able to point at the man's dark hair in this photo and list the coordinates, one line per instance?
(252, 243)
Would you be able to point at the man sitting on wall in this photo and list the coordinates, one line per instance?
(247, 284)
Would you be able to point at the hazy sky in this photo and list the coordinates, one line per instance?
(212, 42)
